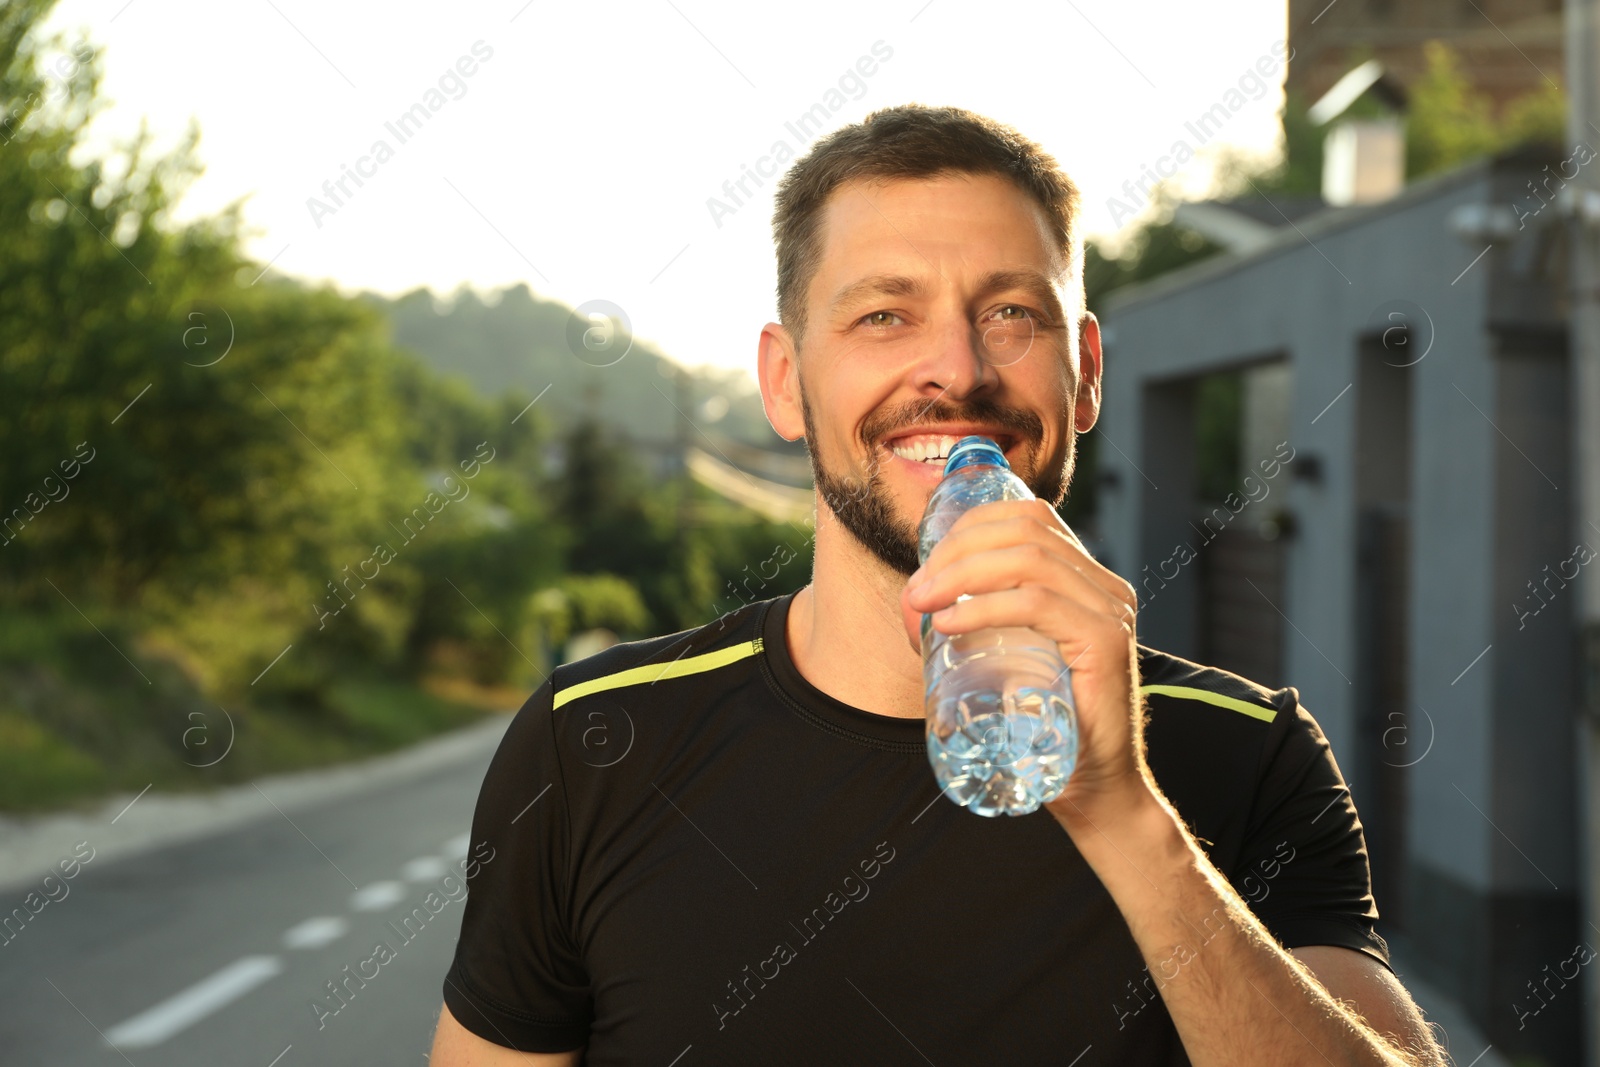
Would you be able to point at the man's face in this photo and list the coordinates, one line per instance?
(941, 308)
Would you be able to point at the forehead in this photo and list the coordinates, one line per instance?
(931, 224)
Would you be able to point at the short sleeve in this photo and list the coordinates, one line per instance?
(517, 979)
(1303, 866)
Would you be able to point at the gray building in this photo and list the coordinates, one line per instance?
(1400, 552)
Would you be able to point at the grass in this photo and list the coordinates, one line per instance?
(38, 769)
(78, 724)
(387, 714)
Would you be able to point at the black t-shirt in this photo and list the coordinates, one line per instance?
(698, 854)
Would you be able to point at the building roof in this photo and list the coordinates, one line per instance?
(1303, 229)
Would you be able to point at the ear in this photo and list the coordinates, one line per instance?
(779, 376)
(1087, 410)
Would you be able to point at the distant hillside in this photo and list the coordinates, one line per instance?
(518, 343)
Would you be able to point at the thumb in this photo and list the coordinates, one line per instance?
(911, 618)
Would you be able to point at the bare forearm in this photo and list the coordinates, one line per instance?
(1235, 996)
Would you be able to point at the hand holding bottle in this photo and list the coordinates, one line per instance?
(1019, 565)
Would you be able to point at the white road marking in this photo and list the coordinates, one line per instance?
(377, 896)
(423, 869)
(314, 933)
(183, 1010)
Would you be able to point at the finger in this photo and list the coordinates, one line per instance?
(1009, 567)
(1071, 624)
(981, 529)
(911, 618)
(1014, 521)
(1001, 509)
(1041, 509)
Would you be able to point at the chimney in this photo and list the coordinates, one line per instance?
(1363, 161)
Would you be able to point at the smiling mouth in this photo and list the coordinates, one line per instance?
(934, 448)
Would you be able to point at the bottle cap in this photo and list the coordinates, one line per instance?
(973, 449)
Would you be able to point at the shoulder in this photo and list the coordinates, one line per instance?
(1172, 686)
(1212, 741)
(581, 711)
(688, 653)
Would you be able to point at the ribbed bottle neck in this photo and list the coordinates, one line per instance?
(974, 450)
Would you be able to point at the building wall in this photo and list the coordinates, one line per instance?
(1489, 881)
(1306, 300)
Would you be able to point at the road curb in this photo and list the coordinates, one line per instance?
(126, 825)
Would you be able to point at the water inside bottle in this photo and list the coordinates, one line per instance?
(1001, 737)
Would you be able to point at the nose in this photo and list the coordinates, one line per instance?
(954, 363)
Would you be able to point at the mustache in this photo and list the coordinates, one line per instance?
(912, 414)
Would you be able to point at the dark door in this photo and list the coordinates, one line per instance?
(1241, 580)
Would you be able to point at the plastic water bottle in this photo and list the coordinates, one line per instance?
(1002, 728)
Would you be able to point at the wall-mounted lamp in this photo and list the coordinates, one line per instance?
(1280, 524)
(1477, 223)
(1306, 468)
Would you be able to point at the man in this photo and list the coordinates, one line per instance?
(727, 845)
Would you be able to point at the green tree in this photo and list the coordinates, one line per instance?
(212, 454)
(1448, 123)
(619, 523)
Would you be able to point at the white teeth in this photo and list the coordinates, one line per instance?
(926, 448)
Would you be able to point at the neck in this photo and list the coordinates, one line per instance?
(845, 630)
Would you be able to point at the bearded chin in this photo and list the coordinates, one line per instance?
(865, 510)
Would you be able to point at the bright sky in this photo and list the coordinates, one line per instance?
(579, 154)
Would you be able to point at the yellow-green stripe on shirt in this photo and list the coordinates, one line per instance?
(1255, 711)
(655, 672)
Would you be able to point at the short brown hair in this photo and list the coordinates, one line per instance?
(909, 141)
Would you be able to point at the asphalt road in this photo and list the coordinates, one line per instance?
(215, 951)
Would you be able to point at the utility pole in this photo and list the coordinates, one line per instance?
(1582, 216)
